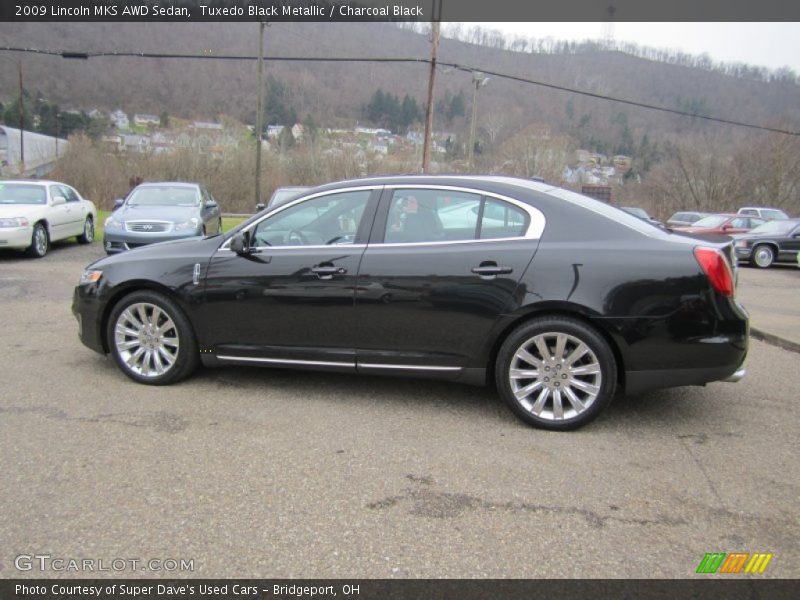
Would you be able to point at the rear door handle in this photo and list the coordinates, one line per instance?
(491, 270)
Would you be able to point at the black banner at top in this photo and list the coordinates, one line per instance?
(400, 10)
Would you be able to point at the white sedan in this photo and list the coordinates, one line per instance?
(35, 213)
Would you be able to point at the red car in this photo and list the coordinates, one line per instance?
(723, 224)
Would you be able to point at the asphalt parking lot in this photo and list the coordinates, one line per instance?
(274, 473)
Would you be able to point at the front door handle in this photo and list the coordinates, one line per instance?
(328, 271)
(489, 270)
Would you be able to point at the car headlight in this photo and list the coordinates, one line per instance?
(112, 223)
(91, 276)
(190, 224)
(14, 222)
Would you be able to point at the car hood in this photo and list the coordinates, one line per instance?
(174, 214)
(20, 210)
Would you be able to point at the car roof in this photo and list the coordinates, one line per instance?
(446, 179)
(169, 183)
(34, 181)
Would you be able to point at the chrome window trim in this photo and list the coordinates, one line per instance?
(534, 231)
(360, 188)
(287, 361)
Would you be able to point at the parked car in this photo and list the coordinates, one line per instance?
(722, 224)
(282, 195)
(774, 214)
(557, 298)
(160, 212)
(35, 213)
(642, 214)
(774, 241)
(685, 218)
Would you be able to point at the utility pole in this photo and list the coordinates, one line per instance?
(426, 148)
(478, 80)
(259, 109)
(21, 123)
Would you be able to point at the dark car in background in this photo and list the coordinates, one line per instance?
(556, 298)
(722, 224)
(642, 214)
(282, 195)
(161, 212)
(685, 218)
(774, 241)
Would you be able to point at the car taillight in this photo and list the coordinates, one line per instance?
(717, 269)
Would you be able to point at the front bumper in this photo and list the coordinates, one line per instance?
(119, 241)
(18, 238)
(89, 313)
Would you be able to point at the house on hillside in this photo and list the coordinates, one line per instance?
(120, 120)
(145, 120)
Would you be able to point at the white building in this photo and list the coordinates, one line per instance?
(41, 152)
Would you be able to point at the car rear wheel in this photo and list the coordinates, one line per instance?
(151, 339)
(556, 373)
(763, 256)
(87, 237)
(40, 242)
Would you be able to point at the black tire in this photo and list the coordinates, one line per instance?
(185, 356)
(204, 231)
(87, 237)
(555, 377)
(40, 241)
(763, 256)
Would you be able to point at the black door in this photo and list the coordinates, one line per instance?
(440, 268)
(292, 301)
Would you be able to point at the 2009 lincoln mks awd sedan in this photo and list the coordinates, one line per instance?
(557, 298)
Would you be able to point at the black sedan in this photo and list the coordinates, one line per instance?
(556, 298)
(774, 241)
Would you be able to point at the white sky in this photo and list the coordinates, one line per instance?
(771, 45)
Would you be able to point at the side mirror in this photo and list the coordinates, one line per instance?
(118, 202)
(726, 227)
(240, 243)
(58, 200)
(211, 204)
(260, 206)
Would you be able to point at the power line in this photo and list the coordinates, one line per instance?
(397, 60)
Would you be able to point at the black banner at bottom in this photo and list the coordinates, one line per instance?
(383, 589)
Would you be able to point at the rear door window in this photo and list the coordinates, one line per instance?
(418, 215)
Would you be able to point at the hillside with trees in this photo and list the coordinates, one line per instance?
(676, 160)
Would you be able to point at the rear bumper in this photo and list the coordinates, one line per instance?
(737, 376)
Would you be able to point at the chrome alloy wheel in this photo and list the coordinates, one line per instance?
(763, 256)
(40, 240)
(555, 376)
(146, 339)
(88, 231)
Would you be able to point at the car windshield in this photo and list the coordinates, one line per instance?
(778, 215)
(712, 221)
(166, 195)
(775, 227)
(22, 193)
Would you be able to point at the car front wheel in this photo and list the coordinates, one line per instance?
(151, 339)
(556, 373)
(763, 256)
(40, 242)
